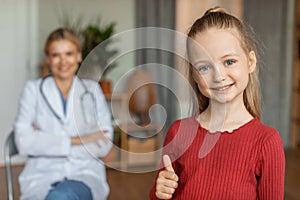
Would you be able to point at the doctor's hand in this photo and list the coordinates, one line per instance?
(166, 182)
(90, 138)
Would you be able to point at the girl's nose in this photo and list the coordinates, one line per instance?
(219, 74)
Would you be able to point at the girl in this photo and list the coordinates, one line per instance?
(63, 124)
(231, 155)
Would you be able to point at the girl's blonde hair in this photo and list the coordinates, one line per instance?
(62, 34)
(218, 18)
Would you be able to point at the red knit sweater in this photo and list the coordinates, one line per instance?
(247, 163)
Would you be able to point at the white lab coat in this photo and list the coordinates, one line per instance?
(47, 141)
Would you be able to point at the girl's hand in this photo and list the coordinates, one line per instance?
(166, 182)
(90, 138)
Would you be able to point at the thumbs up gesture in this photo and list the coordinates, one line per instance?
(166, 182)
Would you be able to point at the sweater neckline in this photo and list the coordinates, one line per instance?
(248, 123)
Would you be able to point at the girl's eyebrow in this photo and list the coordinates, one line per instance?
(230, 54)
(201, 62)
(204, 60)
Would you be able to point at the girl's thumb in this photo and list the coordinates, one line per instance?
(168, 163)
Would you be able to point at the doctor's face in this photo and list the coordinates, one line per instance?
(63, 57)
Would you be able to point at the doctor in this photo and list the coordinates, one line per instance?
(64, 125)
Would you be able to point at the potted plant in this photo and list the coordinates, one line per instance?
(96, 51)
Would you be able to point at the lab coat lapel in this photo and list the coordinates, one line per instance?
(72, 92)
(51, 93)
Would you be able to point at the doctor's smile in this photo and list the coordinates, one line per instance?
(63, 58)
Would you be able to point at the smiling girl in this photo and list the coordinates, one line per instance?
(232, 154)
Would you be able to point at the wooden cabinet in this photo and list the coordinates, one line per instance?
(134, 140)
(295, 111)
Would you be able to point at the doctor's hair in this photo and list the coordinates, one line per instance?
(62, 34)
(219, 18)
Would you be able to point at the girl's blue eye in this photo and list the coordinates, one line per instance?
(204, 68)
(229, 62)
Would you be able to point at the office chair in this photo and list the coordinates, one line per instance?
(10, 149)
(142, 96)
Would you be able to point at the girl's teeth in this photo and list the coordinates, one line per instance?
(222, 88)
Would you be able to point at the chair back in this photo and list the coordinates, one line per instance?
(142, 94)
(10, 149)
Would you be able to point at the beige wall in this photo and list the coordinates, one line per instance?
(17, 57)
(189, 10)
(121, 12)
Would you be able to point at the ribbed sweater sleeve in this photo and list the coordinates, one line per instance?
(271, 168)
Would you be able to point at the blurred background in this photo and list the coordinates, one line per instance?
(25, 24)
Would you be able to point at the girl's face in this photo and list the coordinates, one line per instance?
(63, 57)
(221, 66)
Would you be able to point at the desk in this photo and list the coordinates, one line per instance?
(129, 136)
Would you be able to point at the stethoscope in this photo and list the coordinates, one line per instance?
(83, 98)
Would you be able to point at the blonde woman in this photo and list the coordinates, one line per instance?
(63, 125)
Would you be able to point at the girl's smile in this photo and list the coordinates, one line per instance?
(222, 88)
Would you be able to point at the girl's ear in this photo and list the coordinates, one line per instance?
(252, 61)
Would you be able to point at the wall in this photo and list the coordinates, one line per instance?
(122, 12)
(273, 21)
(24, 26)
(189, 11)
(17, 57)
